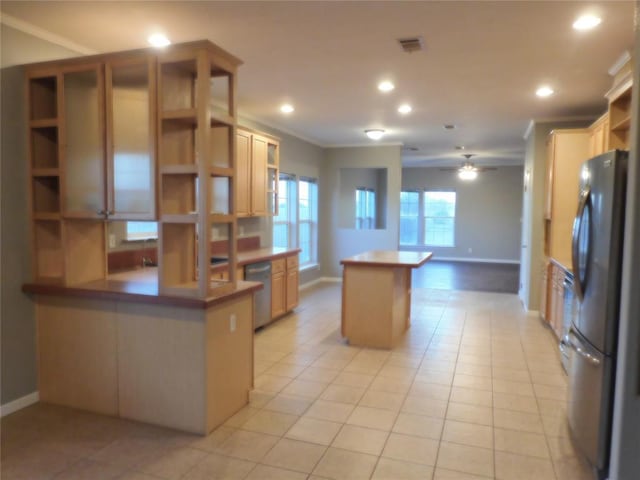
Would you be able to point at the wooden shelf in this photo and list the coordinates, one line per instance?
(622, 124)
(47, 216)
(184, 115)
(44, 123)
(180, 169)
(45, 172)
(187, 218)
(219, 119)
(221, 172)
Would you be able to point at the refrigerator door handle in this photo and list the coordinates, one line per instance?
(575, 241)
(575, 345)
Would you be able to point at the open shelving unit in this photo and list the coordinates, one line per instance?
(44, 172)
(273, 174)
(196, 128)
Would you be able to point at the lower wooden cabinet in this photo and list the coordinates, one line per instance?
(278, 288)
(284, 285)
(552, 302)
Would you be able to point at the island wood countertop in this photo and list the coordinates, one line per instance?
(139, 286)
(389, 258)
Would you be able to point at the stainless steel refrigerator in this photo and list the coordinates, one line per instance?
(592, 338)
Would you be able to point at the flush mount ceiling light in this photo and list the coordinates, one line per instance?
(586, 22)
(158, 40)
(404, 109)
(287, 108)
(386, 86)
(374, 133)
(544, 91)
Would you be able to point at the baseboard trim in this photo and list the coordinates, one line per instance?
(475, 260)
(19, 403)
(312, 283)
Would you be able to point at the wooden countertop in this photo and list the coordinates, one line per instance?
(389, 258)
(263, 254)
(140, 286)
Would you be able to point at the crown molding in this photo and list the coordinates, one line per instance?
(529, 129)
(280, 128)
(42, 34)
(619, 63)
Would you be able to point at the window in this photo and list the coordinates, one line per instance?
(284, 222)
(142, 230)
(365, 208)
(439, 218)
(308, 220)
(297, 221)
(427, 218)
(409, 217)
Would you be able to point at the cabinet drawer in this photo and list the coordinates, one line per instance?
(277, 266)
(292, 262)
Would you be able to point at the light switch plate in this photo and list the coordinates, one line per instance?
(112, 240)
(232, 322)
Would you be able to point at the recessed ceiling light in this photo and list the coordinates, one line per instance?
(386, 86)
(374, 133)
(158, 40)
(404, 108)
(586, 22)
(544, 91)
(287, 108)
(449, 126)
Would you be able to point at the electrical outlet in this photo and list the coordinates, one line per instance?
(112, 240)
(232, 322)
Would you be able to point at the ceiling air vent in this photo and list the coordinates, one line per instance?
(410, 149)
(412, 44)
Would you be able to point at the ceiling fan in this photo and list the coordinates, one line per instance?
(468, 171)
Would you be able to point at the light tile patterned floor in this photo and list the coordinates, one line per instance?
(475, 391)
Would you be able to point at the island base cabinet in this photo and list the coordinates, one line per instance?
(376, 305)
(183, 368)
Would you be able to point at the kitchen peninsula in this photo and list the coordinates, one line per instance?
(144, 135)
(376, 296)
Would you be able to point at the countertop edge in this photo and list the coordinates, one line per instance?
(243, 288)
(351, 261)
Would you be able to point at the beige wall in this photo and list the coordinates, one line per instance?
(487, 211)
(19, 373)
(337, 243)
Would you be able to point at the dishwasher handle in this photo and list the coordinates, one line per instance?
(254, 270)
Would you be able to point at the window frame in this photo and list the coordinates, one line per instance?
(421, 240)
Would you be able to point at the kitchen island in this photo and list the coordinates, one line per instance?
(118, 347)
(376, 296)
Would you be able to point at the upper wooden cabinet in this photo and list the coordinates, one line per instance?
(620, 107)
(257, 161)
(566, 150)
(108, 139)
(599, 136)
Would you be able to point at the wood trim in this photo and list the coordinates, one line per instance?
(136, 293)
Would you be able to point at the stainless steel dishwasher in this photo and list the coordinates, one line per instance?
(260, 272)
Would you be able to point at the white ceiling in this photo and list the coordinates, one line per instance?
(479, 70)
